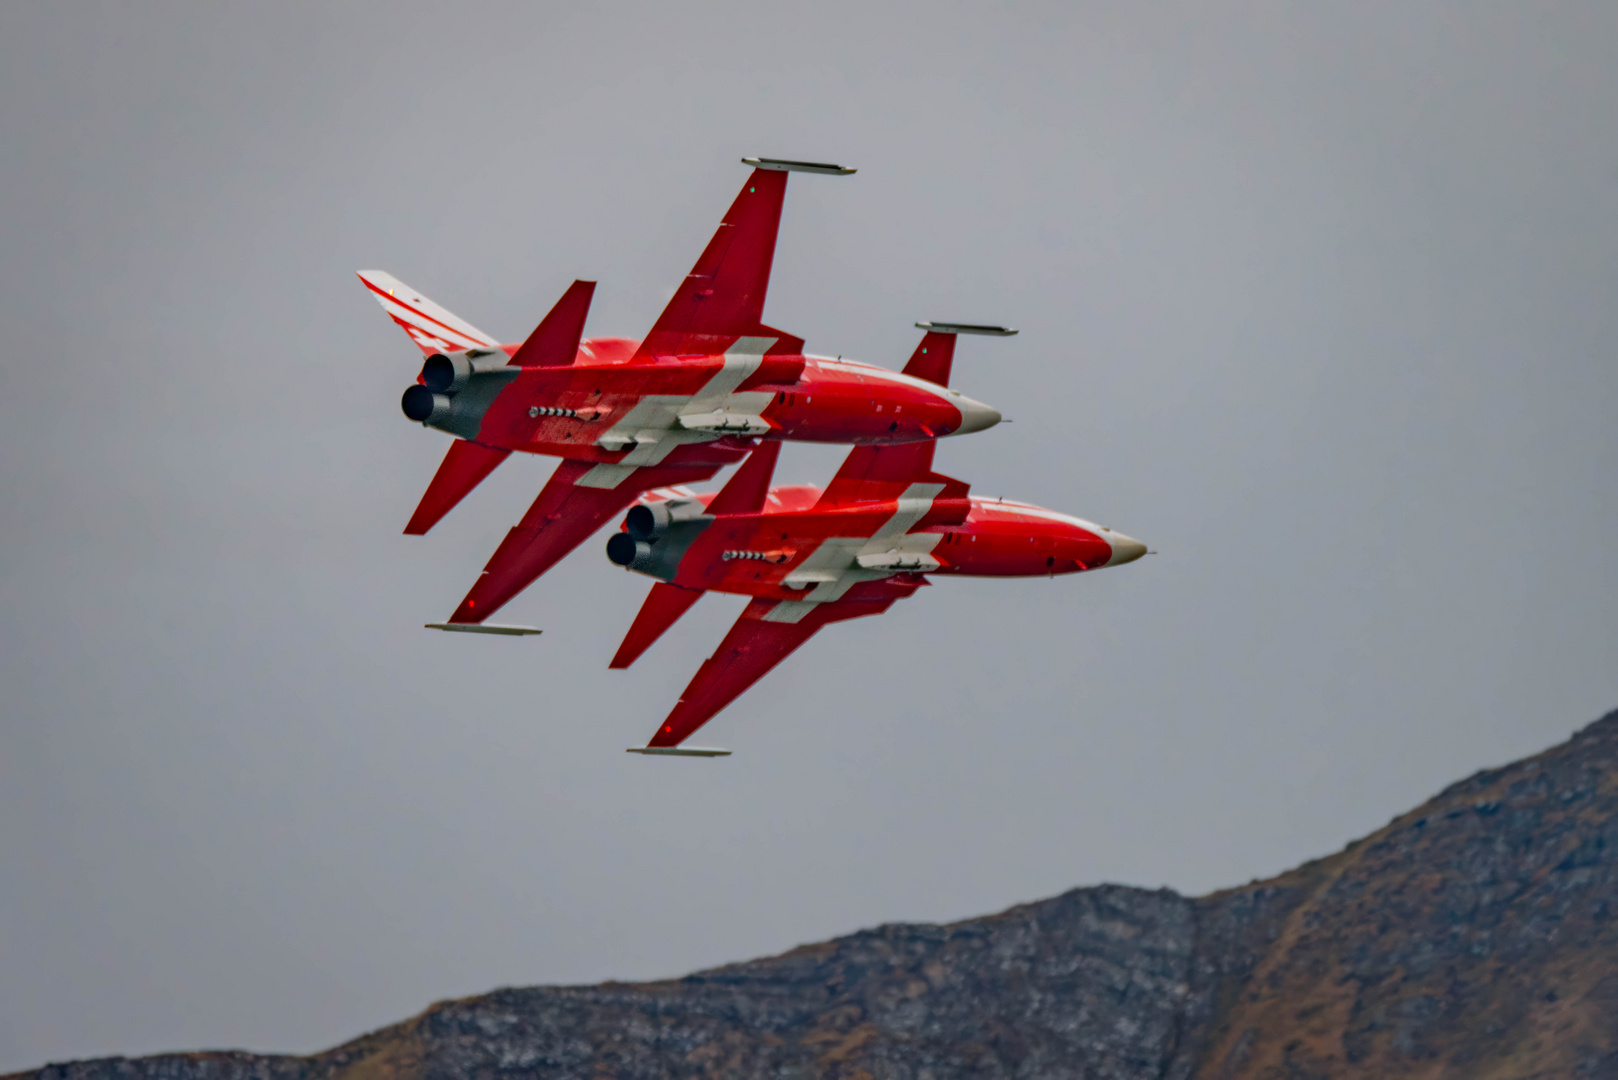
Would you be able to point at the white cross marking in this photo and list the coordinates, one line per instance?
(424, 338)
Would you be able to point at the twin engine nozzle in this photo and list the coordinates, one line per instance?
(657, 535)
(645, 524)
(425, 407)
(443, 375)
(625, 550)
(648, 521)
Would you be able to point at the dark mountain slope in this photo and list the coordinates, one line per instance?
(1472, 937)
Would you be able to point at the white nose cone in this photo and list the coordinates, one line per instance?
(1125, 549)
(975, 416)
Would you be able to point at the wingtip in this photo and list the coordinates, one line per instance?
(498, 629)
(678, 751)
(967, 328)
(782, 165)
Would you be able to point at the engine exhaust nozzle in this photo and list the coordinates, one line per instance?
(647, 521)
(425, 407)
(445, 374)
(625, 550)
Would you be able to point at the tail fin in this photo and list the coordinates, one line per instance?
(932, 358)
(463, 469)
(663, 607)
(432, 328)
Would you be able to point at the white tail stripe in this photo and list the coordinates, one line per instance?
(405, 303)
(403, 315)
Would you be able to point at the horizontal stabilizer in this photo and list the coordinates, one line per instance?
(568, 510)
(663, 607)
(678, 751)
(504, 629)
(464, 468)
(778, 165)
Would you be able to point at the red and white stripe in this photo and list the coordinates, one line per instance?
(432, 327)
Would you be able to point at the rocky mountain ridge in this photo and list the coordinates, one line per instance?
(1473, 936)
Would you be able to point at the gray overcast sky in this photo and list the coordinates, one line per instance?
(1318, 299)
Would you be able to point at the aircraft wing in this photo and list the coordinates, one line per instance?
(932, 358)
(891, 472)
(569, 508)
(722, 299)
(767, 633)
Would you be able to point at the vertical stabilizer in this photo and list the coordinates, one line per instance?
(431, 326)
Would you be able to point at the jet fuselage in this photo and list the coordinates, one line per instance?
(604, 408)
(796, 549)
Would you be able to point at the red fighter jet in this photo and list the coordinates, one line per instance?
(708, 382)
(809, 557)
